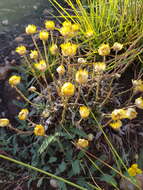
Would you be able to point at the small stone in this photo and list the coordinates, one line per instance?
(5, 22)
(54, 183)
(35, 7)
(19, 39)
(4, 71)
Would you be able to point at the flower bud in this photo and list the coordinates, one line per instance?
(104, 50)
(81, 76)
(31, 29)
(21, 50)
(84, 111)
(117, 46)
(34, 54)
(82, 143)
(67, 89)
(139, 102)
(50, 25)
(4, 122)
(53, 49)
(39, 130)
(14, 80)
(61, 70)
(43, 35)
(23, 114)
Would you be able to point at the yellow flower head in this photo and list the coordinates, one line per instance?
(50, 25)
(67, 24)
(31, 29)
(43, 35)
(66, 32)
(14, 80)
(139, 102)
(81, 76)
(23, 114)
(21, 50)
(75, 27)
(67, 89)
(82, 143)
(104, 50)
(41, 65)
(117, 46)
(53, 49)
(34, 54)
(99, 67)
(4, 122)
(61, 70)
(118, 114)
(39, 130)
(134, 170)
(131, 113)
(69, 49)
(137, 85)
(116, 124)
(89, 33)
(84, 111)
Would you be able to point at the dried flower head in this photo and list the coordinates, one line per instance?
(84, 111)
(21, 50)
(45, 113)
(32, 89)
(61, 70)
(50, 25)
(23, 114)
(82, 143)
(139, 102)
(99, 67)
(90, 137)
(67, 89)
(34, 54)
(31, 29)
(116, 124)
(134, 170)
(104, 50)
(131, 113)
(81, 76)
(39, 130)
(43, 35)
(53, 49)
(117, 46)
(137, 85)
(81, 60)
(4, 122)
(41, 65)
(14, 80)
(69, 49)
(118, 114)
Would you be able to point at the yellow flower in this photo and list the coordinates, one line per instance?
(116, 124)
(99, 66)
(39, 130)
(4, 122)
(139, 102)
(67, 89)
(131, 113)
(137, 85)
(118, 114)
(82, 143)
(134, 170)
(53, 49)
(31, 29)
(66, 32)
(89, 33)
(81, 76)
(75, 27)
(34, 54)
(23, 114)
(14, 80)
(21, 50)
(41, 65)
(50, 25)
(43, 35)
(69, 49)
(104, 50)
(67, 24)
(117, 46)
(84, 111)
(61, 70)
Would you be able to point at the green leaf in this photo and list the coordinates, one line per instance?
(52, 159)
(40, 182)
(76, 167)
(47, 141)
(79, 132)
(109, 179)
(62, 166)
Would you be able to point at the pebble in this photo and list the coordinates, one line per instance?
(5, 22)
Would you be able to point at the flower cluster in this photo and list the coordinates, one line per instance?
(134, 170)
